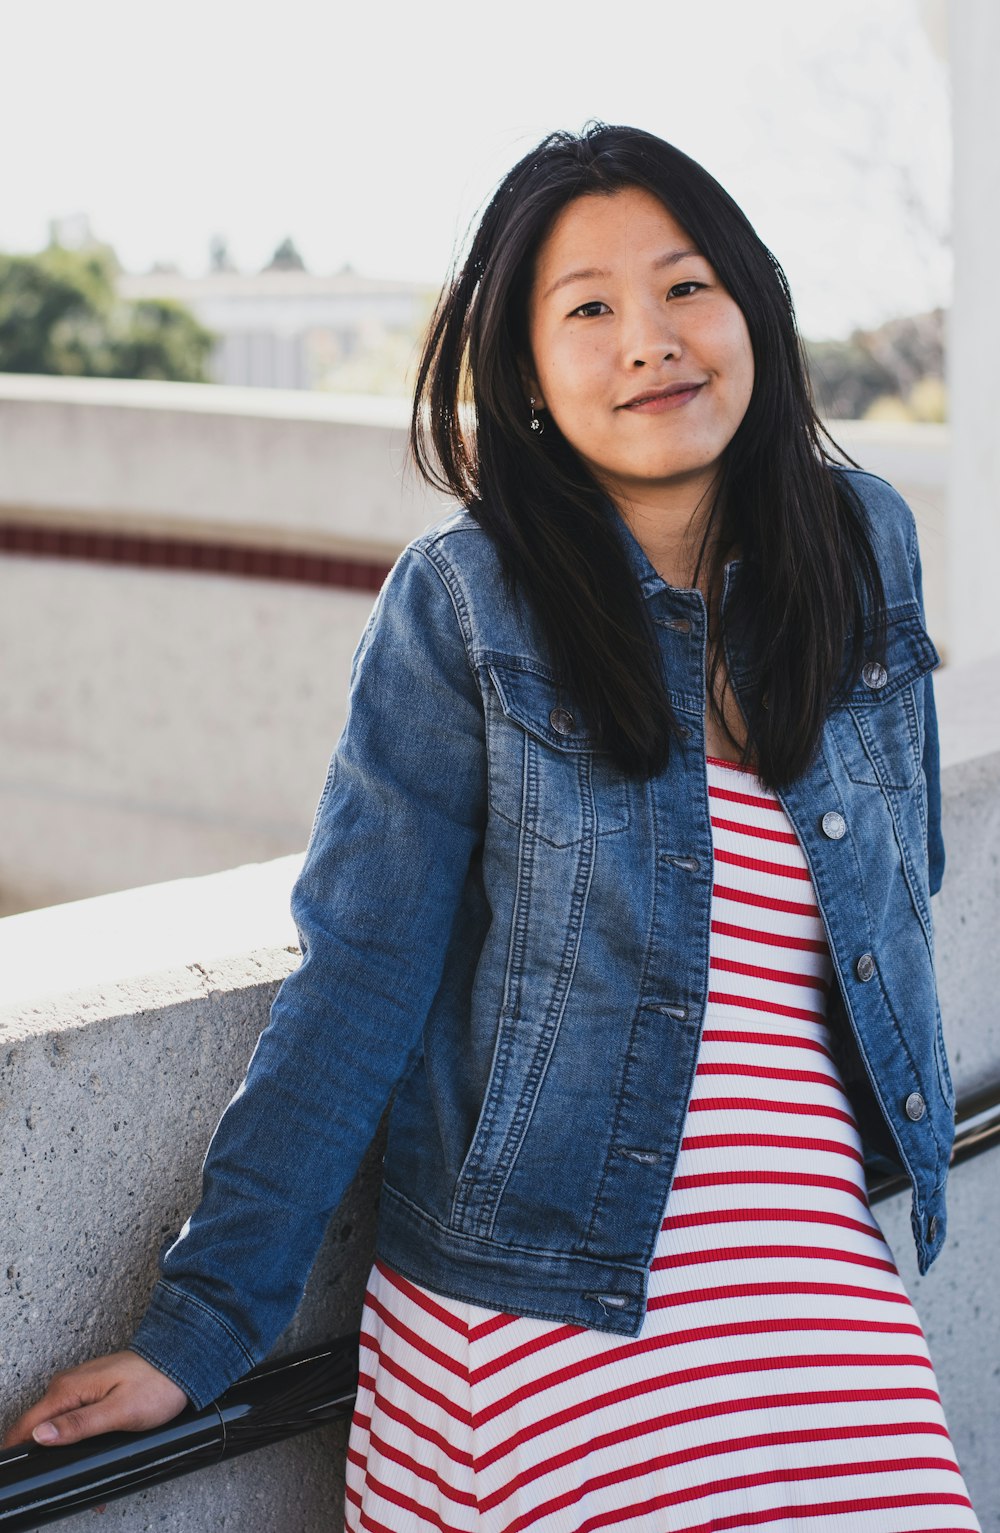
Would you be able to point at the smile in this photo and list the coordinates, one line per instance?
(656, 401)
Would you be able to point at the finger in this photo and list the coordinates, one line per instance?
(82, 1421)
(53, 1403)
(60, 1403)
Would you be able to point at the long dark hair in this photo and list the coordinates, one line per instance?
(809, 582)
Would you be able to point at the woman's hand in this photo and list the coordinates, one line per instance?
(118, 1393)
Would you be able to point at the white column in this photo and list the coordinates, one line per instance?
(973, 364)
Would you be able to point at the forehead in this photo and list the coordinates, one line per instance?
(607, 230)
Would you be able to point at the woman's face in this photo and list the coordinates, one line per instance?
(622, 307)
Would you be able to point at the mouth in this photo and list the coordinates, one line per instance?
(671, 397)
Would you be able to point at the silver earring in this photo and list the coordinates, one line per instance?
(536, 424)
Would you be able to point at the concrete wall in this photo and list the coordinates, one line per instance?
(128, 1021)
(305, 470)
(160, 723)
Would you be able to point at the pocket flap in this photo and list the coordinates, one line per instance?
(909, 654)
(533, 700)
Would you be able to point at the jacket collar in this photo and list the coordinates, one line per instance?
(650, 582)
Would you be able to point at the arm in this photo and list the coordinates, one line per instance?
(399, 817)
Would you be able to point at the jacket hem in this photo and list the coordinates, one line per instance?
(542, 1285)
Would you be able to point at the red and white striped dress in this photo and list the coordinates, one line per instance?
(781, 1379)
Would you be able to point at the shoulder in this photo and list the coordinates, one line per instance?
(466, 562)
(457, 545)
(890, 520)
(437, 584)
(496, 617)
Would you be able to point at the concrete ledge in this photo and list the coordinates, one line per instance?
(49, 957)
(287, 468)
(109, 1094)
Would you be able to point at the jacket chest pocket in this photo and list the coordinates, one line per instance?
(544, 774)
(879, 728)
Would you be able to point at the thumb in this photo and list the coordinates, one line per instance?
(82, 1421)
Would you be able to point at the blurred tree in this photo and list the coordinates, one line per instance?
(845, 378)
(286, 258)
(902, 360)
(55, 308)
(161, 339)
(60, 314)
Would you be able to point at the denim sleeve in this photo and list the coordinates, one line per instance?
(399, 817)
(932, 753)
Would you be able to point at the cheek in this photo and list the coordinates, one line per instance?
(571, 378)
(723, 340)
(741, 361)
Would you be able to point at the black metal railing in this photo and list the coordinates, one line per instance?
(275, 1401)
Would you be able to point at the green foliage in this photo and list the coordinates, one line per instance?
(60, 314)
(162, 339)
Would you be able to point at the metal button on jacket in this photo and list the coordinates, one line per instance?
(915, 1106)
(874, 675)
(865, 966)
(562, 721)
(834, 825)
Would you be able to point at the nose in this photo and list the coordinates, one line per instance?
(650, 337)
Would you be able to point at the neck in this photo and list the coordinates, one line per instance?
(670, 527)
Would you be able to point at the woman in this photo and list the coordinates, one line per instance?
(619, 886)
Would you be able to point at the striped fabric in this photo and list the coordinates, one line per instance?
(781, 1379)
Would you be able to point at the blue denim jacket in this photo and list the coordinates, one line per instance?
(510, 939)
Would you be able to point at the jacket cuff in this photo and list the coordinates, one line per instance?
(191, 1344)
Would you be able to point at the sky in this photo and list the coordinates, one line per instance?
(370, 133)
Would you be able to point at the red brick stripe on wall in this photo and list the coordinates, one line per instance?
(257, 563)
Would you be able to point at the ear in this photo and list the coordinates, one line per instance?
(531, 386)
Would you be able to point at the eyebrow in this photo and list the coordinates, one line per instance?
(587, 274)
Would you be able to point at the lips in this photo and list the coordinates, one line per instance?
(662, 395)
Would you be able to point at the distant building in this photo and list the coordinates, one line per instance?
(293, 329)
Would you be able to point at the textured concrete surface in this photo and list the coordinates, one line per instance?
(108, 1097)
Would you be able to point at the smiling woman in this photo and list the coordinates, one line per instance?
(619, 888)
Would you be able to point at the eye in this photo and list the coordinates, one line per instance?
(685, 284)
(595, 303)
